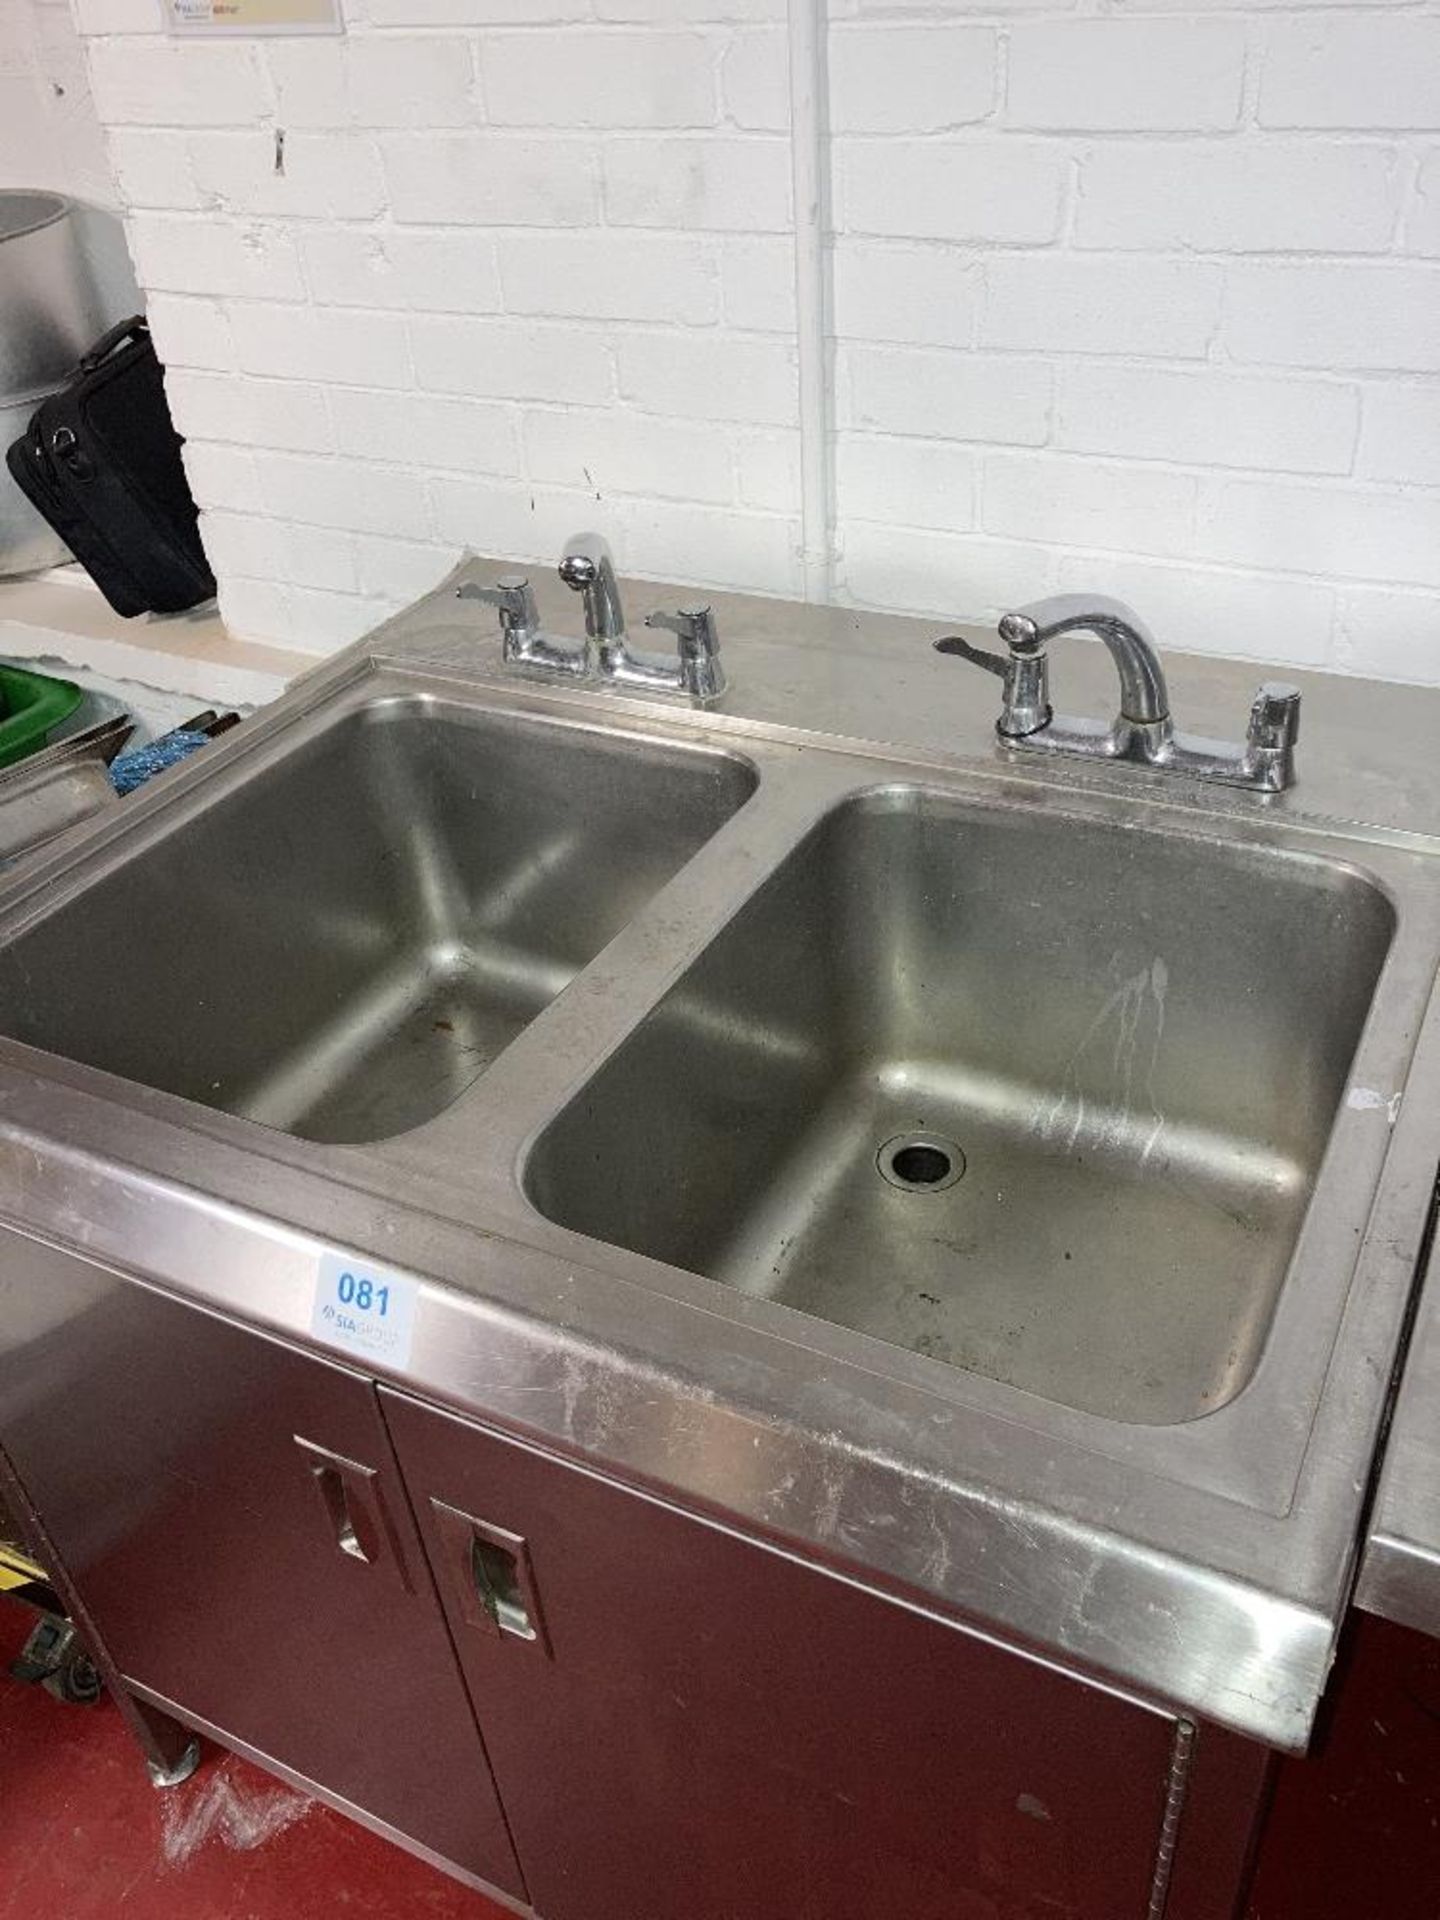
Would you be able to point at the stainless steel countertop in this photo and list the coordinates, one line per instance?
(1206, 1564)
(1400, 1573)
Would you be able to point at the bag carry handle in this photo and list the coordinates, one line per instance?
(122, 331)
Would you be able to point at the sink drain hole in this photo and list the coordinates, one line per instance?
(920, 1166)
(920, 1162)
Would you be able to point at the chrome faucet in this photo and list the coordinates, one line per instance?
(1142, 730)
(586, 566)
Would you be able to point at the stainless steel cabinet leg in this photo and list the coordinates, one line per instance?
(170, 1751)
(162, 1776)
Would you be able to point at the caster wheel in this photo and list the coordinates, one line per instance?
(76, 1679)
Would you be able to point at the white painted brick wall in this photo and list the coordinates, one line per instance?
(977, 191)
(328, 174)
(1223, 196)
(181, 253)
(955, 396)
(585, 78)
(922, 79)
(491, 180)
(885, 291)
(729, 185)
(1144, 299)
(1203, 416)
(708, 377)
(142, 80)
(1362, 72)
(675, 459)
(1400, 439)
(427, 270)
(506, 360)
(1231, 297)
(611, 276)
(1104, 75)
(755, 82)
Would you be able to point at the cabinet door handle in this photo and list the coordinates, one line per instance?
(490, 1576)
(353, 1503)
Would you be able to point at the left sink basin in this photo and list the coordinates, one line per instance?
(340, 946)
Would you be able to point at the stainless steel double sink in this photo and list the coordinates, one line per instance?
(1044, 1099)
(1062, 1104)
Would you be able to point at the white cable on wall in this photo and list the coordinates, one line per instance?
(809, 173)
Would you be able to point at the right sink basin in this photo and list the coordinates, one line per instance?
(1041, 1098)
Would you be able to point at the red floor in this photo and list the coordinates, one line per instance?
(1354, 1835)
(84, 1836)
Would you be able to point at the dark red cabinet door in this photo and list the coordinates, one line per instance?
(231, 1512)
(686, 1725)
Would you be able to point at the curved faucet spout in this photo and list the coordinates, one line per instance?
(1144, 699)
(588, 567)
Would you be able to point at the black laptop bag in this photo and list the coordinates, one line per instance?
(100, 461)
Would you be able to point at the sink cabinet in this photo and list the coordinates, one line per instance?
(683, 1722)
(230, 1512)
(691, 1726)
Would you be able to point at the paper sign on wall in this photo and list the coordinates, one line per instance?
(253, 16)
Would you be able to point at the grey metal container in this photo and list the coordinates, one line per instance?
(50, 312)
(50, 308)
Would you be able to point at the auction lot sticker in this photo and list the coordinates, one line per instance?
(363, 1309)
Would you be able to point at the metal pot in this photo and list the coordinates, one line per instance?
(50, 310)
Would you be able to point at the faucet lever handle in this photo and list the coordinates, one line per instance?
(694, 624)
(512, 595)
(701, 674)
(1025, 701)
(1268, 760)
(1274, 716)
(977, 656)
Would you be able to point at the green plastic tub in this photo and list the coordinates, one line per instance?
(31, 705)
